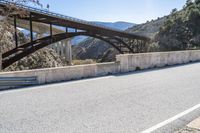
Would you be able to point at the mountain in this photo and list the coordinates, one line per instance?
(116, 25)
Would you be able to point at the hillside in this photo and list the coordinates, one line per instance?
(44, 58)
(181, 30)
(149, 29)
(90, 49)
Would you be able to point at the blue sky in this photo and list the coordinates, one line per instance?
(136, 11)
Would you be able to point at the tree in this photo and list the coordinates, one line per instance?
(174, 11)
(197, 2)
(189, 3)
(48, 6)
(194, 15)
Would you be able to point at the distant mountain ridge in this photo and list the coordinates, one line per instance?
(116, 25)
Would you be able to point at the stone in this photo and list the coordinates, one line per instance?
(195, 124)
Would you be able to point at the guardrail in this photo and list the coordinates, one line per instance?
(10, 82)
(46, 12)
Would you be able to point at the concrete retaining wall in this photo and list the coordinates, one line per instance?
(67, 73)
(132, 62)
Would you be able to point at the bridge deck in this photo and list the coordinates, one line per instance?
(48, 17)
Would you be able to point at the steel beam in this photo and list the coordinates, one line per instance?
(66, 29)
(15, 26)
(31, 27)
(76, 30)
(51, 32)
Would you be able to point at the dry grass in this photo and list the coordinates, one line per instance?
(82, 62)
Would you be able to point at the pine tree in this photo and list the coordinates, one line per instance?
(189, 2)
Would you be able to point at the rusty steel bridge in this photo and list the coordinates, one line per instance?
(116, 38)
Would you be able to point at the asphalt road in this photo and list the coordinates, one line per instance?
(115, 104)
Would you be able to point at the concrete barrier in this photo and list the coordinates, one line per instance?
(132, 62)
(125, 63)
(51, 75)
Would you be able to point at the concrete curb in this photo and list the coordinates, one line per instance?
(195, 124)
(192, 127)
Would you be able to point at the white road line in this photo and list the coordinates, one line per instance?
(55, 84)
(154, 128)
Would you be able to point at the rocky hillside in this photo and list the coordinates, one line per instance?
(92, 49)
(44, 58)
(181, 30)
(149, 29)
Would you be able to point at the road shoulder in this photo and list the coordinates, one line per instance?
(192, 127)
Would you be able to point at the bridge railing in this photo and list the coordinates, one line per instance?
(46, 12)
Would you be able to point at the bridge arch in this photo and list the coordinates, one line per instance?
(26, 49)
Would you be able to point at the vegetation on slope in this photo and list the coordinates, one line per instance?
(181, 30)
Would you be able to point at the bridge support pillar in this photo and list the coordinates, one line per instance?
(68, 51)
(0, 61)
(16, 36)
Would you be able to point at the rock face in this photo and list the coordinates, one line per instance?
(44, 58)
(93, 49)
